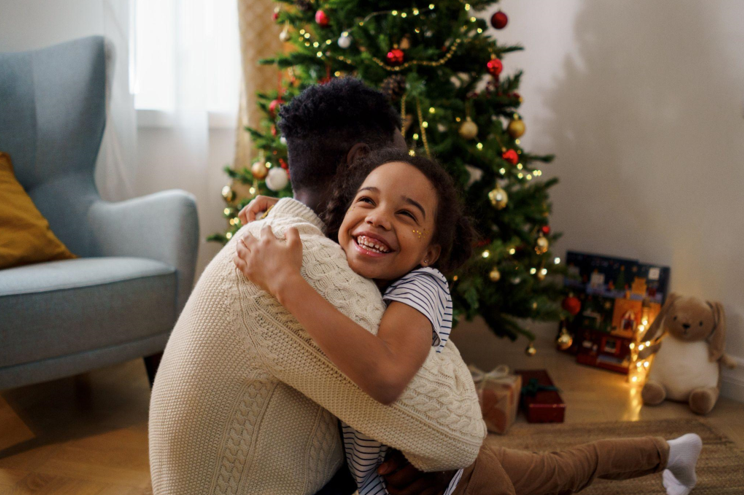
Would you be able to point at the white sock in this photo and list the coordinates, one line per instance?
(679, 476)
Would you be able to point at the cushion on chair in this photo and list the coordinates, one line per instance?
(65, 307)
(25, 236)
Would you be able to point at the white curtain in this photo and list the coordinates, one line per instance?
(116, 168)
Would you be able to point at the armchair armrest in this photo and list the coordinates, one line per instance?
(161, 226)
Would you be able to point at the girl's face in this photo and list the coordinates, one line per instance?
(388, 228)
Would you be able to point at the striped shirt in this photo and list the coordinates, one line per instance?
(427, 291)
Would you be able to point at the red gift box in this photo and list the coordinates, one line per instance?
(541, 406)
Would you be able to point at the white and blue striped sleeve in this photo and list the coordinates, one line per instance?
(427, 291)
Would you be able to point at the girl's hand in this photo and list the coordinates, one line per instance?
(269, 262)
(258, 205)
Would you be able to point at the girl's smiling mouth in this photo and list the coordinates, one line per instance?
(371, 244)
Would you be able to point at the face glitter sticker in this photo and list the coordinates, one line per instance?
(419, 233)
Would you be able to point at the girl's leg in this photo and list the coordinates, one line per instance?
(516, 472)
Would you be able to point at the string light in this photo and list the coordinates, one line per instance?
(502, 171)
(432, 110)
(479, 146)
(519, 166)
(226, 211)
(316, 44)
(228, 235)
(557, 261)
(415, 136)
(520, 175)
(512, 251)
(486, 254)
(533, 271)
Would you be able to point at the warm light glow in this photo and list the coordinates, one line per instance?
(516, 141)
(467, 6)
(337, 73)
(316, 44)
(635, 379)
(425, 125)
(415, 136)
(480, 30)
(557, 261)
(632, 345)
(226, 211)
(229, 235)
(411, 153)
(648, 343)
(432, 110)
(431, 6)
(519, 166)
(307, 36)
(403, 15)
(394, 12)
(520, 175)
(486, 254)
(529, 177)
(415, 11)
(512, 251)
(455, 278)
(328, 42)
(457, 119)
(544, 271)
(502, 171)
(479, 146)
(320, 54)
(533, 271)
(646, 364)
(641, 347)
(473, 19)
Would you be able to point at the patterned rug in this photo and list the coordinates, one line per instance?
(720, 469)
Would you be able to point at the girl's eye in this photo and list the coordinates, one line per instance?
(408, 213)
(365, 199)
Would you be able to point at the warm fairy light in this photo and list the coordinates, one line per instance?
(544, 271)
(432, 110)
(328, 42)
(479, 32)
(316, 44)
(502, 171)
(519, 166)
(467, 6)
(302, 31)
(473, 19)
(411, 152)
(641, 347)
(229, 235)
(486, 254)
(425, 125)
(457, 119)
(252, 190)
(529, 176)
(394, 12)
(431, 6)
(403, 15)
(635, 378)
(307, 43)
(361, 23)
(307, 36)
(454, 278)
(517, 141)
(337, 73)
(416, 12)
(520, 175)
(418, 30)
(632, 345)
(646, 364)
(226, 211)
(319, 54)
(479, 146)
(557, 261)
(415, 136)
(512, 251)
(533, 271)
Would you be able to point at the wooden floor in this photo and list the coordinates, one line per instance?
(88, 434)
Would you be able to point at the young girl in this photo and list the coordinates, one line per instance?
(400, 224)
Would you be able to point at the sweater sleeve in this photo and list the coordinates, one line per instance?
(437, 421)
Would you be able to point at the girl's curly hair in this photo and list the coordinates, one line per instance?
(453, 231)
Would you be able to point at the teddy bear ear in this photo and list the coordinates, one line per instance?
(656, 326)
(717, 338)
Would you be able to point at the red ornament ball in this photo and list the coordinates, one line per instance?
(499, 20)
(321, 18)
(274, 106)
(572, 305)
(395, 56)
(510, 156)
(494, 67)
(275, 16)
(545, 229)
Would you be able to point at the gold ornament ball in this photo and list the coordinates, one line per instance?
(530, 350)
(259, 170)
(498, 198)
(516, 128)
(494, 275)
(542, 245)
(468, 129)
(564, 340)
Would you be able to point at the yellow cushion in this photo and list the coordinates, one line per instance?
(25, 236)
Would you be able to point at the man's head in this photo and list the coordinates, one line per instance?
(330, 125)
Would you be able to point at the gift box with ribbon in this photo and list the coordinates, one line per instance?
(541, 401)
(498, 392)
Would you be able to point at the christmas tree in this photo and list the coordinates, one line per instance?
(439, 65)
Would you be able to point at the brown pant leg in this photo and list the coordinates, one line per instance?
(563, 472)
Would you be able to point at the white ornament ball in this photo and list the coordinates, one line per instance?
(284, 36)
(344, 41)
(277, 179)
(283, 140)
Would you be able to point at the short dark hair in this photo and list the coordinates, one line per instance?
(323, 122)
(453, 230)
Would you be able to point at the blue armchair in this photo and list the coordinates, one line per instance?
(120, 299)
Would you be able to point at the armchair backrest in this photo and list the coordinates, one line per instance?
(52, 116)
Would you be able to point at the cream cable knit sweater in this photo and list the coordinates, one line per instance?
(246, 403)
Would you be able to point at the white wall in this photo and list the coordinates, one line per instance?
(642, 102)
(643, 105)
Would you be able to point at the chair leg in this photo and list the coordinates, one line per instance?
(151, 364)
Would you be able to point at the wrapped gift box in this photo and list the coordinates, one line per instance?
(498, 392)
(541, 401)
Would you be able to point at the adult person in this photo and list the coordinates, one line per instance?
(244, 401)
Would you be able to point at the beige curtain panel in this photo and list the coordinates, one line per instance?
(259, 38)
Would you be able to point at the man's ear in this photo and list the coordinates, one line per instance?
(431, 255)
(357, 152)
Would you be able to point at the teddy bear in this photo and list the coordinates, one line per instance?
(687, 338)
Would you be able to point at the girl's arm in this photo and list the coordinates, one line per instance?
(381, 365)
